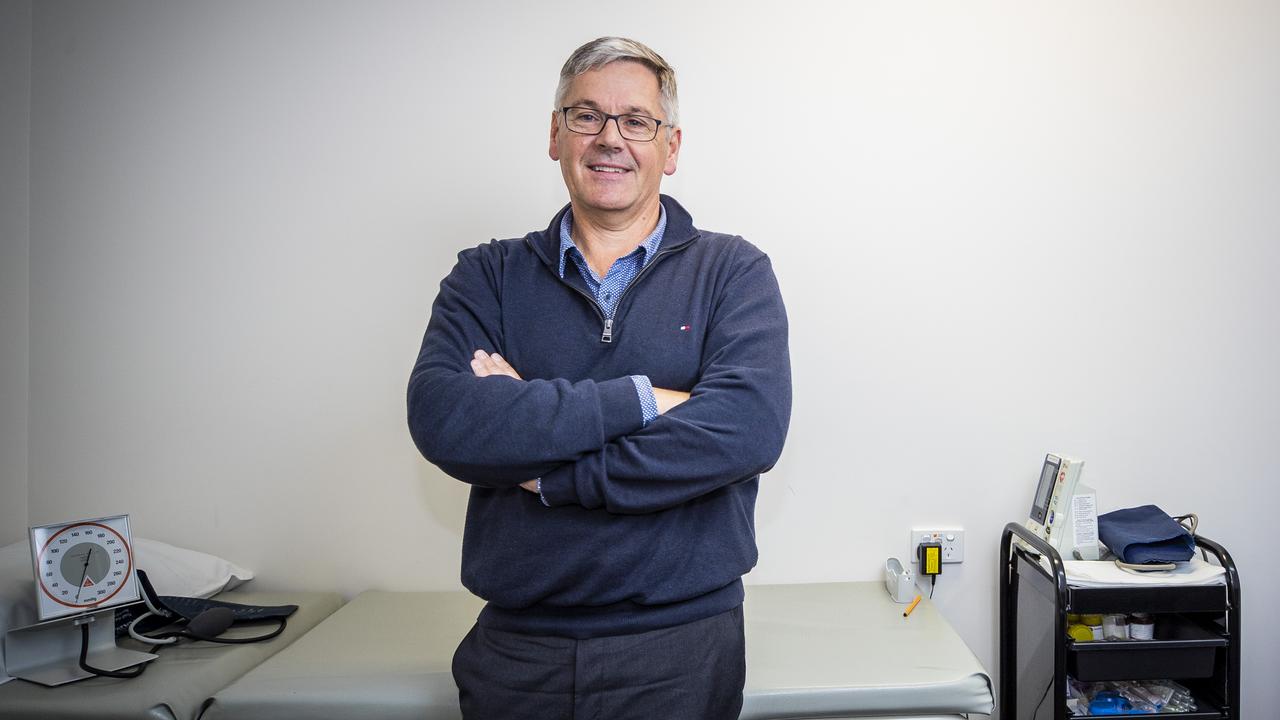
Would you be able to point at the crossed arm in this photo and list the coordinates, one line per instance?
(586, 439)
(485, 364)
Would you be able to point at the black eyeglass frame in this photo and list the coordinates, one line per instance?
(617, 121)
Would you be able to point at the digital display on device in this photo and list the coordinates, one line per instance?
(1048, 474)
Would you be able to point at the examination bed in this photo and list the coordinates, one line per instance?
(176, 685)
(833, 650)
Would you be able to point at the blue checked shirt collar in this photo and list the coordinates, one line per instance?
(649, 247)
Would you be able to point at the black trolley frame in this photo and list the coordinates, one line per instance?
(1205, 645)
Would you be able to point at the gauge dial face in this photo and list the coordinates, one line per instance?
(81, 566)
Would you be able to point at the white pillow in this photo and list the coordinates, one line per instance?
(171, 570)
(186, 573)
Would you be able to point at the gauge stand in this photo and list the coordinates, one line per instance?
(49, 653)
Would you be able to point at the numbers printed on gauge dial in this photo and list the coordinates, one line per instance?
(84, 564)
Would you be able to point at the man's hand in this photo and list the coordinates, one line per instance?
(483, 365)
(668, 399)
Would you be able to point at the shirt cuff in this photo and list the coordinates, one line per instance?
(648, 401)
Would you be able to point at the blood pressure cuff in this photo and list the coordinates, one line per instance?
(175, 609)
(1145, 534)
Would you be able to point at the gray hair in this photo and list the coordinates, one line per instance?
(602, 51)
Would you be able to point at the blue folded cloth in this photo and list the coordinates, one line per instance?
(1145, 534)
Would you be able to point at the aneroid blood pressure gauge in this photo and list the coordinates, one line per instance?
(83, 566)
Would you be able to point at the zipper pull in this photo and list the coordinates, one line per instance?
(607, 336)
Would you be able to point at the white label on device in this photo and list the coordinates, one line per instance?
(1084, 512)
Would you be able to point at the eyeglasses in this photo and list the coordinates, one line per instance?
(589, 121)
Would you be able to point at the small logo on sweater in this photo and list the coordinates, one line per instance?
(684, 328)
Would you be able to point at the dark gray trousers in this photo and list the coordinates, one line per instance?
(689, 672)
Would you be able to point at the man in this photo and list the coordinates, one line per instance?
(611, 388)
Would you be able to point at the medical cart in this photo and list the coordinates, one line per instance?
(1197, 642)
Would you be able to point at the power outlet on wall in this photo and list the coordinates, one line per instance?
(952, 542)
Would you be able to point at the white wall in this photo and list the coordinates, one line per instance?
(1001, 229)
(15, 136)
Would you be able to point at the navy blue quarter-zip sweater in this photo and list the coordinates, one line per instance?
(649, 526)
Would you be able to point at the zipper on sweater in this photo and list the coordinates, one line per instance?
(606, 334)
(608, 325)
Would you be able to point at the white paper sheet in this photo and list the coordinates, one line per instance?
(1105, 573)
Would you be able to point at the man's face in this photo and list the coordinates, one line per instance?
(607, 172)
